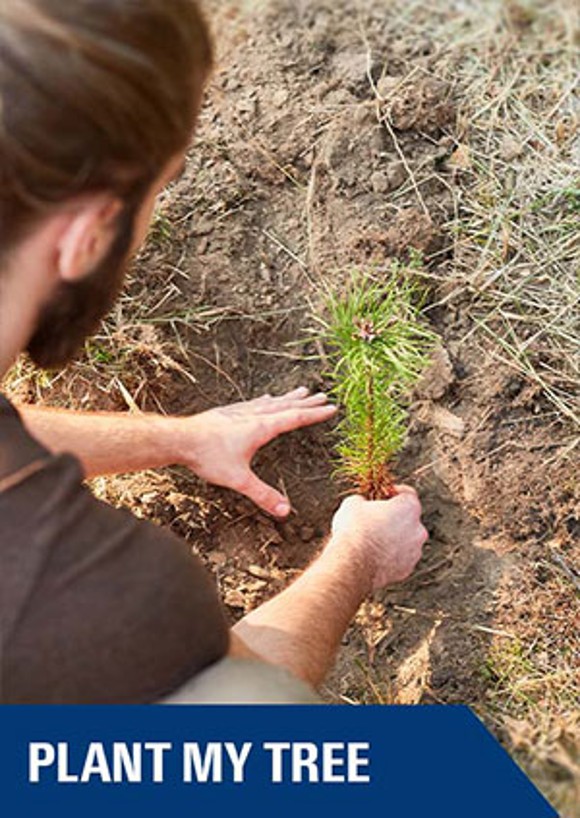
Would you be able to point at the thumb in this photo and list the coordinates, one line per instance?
(265, 496)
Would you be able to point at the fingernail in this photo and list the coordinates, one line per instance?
(282, 509)
(303, 390)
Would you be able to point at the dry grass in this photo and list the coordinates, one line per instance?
(534, 706)
(518, 219)
(517, 233)
(514, 68)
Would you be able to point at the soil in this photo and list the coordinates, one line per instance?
(297, 174)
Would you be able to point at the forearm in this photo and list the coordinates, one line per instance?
(301, 628)
(105, 443)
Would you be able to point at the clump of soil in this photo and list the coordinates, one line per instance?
(424, 106)
(409, 230)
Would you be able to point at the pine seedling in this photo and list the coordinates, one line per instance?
(379, 347)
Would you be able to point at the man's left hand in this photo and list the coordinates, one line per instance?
(219, 445)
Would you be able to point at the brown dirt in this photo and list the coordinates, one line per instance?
(296, 174)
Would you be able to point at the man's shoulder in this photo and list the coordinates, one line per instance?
(18, 449)
(123, 603)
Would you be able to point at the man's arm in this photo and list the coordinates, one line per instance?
(217, 445)
(301, 628)
(373, 544)
(104, 442)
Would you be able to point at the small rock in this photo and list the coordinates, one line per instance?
(352, 68)
(217, 558)
(235, 599)
(447, 422)
(258, 571)
(307, 533)
(279, 97)
(248, 106)
(203, 227)
(510, 149)
(339, 98)
(386, 85)
(255, 585)
(364, 115)
(203, 246)
(380, 182)
(265, 274)
(337, 151)
(438, 377)
(460, 159)
(396, 174)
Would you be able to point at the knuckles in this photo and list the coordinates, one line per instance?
(412, 502)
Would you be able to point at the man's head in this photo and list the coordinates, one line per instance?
(98, 99)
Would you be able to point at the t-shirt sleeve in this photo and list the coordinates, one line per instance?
(103, 607)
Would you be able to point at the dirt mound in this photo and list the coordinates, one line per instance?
(424, 105)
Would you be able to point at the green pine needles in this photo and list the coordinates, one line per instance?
(379, 346)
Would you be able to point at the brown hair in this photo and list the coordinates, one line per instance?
(94, 95)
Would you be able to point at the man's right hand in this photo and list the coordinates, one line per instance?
(372, 545)
(384, 537)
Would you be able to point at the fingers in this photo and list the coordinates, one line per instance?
(297, 399)
(263, 495)
(291, 419)
(409, 498)
(352, 501)
(405, 502)
(284, 405)
(262, 399)
(295, 394)
(301, 392)
(403, 489)
(315, 400)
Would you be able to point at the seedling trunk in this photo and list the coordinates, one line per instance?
(379, 346)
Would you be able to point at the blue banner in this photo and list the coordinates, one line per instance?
(406, 762)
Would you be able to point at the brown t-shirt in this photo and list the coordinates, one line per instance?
(96, 606)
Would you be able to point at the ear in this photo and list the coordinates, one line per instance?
(88, 236)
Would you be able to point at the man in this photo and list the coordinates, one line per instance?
(98, 103)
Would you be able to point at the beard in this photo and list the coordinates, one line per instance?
(76, 309)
